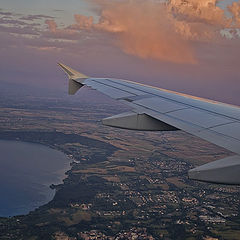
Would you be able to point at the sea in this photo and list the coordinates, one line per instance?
(26, 172)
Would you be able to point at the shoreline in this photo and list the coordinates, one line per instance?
(51, 185)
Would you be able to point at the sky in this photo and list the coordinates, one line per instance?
(191, 47)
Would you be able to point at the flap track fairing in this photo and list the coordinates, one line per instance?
(137, 121)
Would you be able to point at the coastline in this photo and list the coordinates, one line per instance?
(46, 188)
(72, 146)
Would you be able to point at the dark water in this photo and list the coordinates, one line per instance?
(26, 172)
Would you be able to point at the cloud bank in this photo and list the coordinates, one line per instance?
(157, 30)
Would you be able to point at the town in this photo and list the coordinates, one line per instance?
(122, 184)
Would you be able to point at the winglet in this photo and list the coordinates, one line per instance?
(72, 74)
(76, 79)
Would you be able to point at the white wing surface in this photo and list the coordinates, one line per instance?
(157, 109)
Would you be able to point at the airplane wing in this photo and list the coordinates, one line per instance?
(156, 109)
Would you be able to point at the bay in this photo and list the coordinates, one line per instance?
(26, 172)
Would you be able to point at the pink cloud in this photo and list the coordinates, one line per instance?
(154, 30)
(98, 48)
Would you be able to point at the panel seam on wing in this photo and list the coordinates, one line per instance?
(172, 100)
(223, 124)
(200, 129)
(116, 87)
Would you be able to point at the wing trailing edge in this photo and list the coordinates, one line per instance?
(156, 109)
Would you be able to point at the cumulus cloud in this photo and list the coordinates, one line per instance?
(198, 20)
(82, 22)
(205, 11)
(55, 32)
(140, 28)
(52, 25)
(145, 29)
(205, 20)
(156, 29)
(160, 30)
(235, 11)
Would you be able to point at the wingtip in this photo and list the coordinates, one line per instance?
(61, 64)
(71, 72)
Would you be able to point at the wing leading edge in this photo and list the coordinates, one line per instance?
(156, 109)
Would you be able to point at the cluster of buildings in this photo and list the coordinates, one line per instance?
(132, 234)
